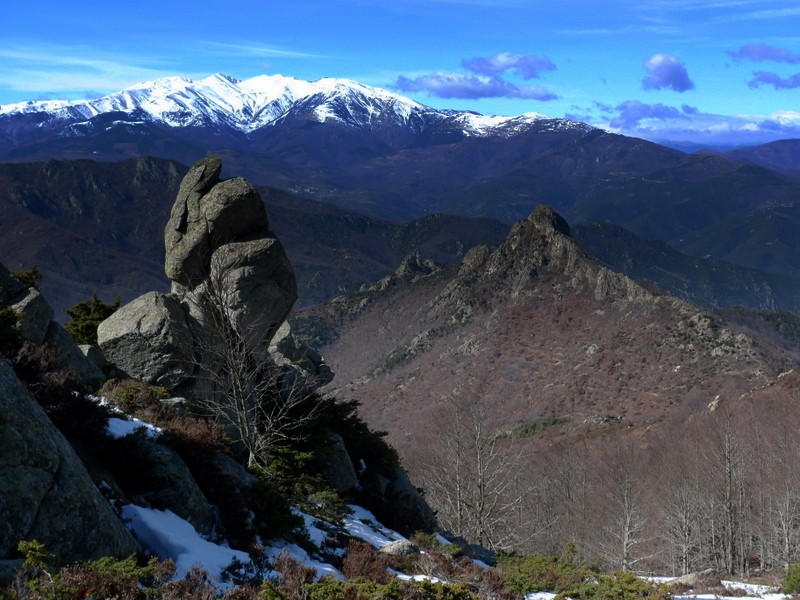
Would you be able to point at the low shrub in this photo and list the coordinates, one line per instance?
(362, 560)
(30, 278)
(791, 580)
(124, 579)
(134, 398)
(293, 576)
(535, 573)
(620, 586)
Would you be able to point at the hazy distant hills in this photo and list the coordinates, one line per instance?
(703, 281)
(99, 226)
(781, 155)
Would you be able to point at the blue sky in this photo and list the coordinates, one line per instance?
(705, 71)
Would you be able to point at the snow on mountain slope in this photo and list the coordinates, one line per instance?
(245, 106)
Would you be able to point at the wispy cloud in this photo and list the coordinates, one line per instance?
(527, 67)
(759, 15)
(660, 122)
(666, 71)
(632, 112)
(63, 70)
(486, 80)
(765, 52)
(457, 85)
(58, 71)
(254, 51)
(779, 83)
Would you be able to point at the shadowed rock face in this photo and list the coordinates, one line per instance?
(36, 326)
(45, 492)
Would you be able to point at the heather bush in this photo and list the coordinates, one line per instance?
(35, 363)
(293, 576)
(196, 585)
(362, 560)
(134, 397)
(535, 573)
(58, 393)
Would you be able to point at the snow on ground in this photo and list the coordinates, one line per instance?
(118, 428)
(753, 591)
(362, 524)
(166, 535)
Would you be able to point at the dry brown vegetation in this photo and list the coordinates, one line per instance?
(666, 442)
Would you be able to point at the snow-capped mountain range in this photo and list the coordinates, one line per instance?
(251, 104)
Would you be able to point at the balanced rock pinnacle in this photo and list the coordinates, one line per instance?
(218, 244)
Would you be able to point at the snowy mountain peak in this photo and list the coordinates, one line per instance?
(247, 105)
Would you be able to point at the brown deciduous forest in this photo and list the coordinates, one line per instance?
(718, 490)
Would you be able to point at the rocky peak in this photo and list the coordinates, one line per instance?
(411, 268)
(547, 219)
(540, 250)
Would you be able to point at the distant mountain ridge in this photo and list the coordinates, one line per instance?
(377, 153)
(266, 100)
(92, 226)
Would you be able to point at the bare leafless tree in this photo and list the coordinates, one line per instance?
(474, 477)
(260, 403)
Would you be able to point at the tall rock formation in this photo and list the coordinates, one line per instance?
(224, 264)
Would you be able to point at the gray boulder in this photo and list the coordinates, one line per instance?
(36, 326)
(73, 359)
(150, 340)
(287, 351)
(45, 492)
(185, 216)
(408, 503)
(222, 260)
(208, 213)
(399, 548)
(170, 485)
(260, 288)
(35, 316)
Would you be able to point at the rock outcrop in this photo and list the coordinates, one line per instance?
(224, 263)
(150, 339)
(45, 491)
(36, 326)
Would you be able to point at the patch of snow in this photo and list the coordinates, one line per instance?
(118, 428)
(404, 577)
(303, 557)
(540, 596)
(166, 535)
(363, 525)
